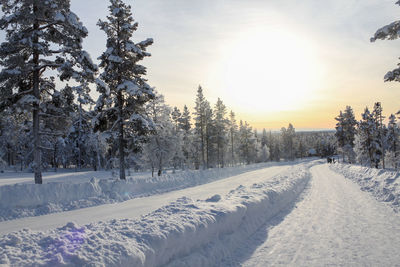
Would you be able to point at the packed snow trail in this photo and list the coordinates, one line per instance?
(335, 223)
(136, 207)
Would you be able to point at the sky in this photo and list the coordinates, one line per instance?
(270, 61)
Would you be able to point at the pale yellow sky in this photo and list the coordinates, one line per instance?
(271, 62)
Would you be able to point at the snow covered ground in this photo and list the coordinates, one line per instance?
(186, 231)
(76, 190)
(136, 207)
(303, 214)
(70, 176)
(383, 184)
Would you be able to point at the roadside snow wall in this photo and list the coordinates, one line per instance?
(184, 233)
(383, 184)
(22, 200)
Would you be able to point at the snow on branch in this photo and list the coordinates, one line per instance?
(145, 43)
(130, 87)
(393, 75)
(388, 32)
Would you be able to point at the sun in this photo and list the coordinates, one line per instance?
(269, 70)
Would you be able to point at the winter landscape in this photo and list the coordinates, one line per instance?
(112, 154)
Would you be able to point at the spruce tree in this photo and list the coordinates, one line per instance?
(345, 132)
(178, 134)
(123, 89)
(288, 136)
(368, 139)
(340, 132)
(209, 133)
(185, 124)
(246, 142)
(393, 139)
(41, 35)
(176, 118)
(185, 120)
(233, 133)
(380, 131)
(200, 123)
(221, 125)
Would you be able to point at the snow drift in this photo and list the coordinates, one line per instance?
(186, 232)
(21, 200)
(383, 184)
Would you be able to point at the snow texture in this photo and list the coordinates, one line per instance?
(22, 200)
(183, 233)
(383, 184)
(333, 223)
(130, 87)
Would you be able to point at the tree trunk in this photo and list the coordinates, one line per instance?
(233, 159)
(35, 116)
(98, 159)
(80, 137)
(218, 156)
(382, 143)
(395, 153)
(94, 161)
(222, 160)
(55, 157)
(160, 165)
(202, 143)
(121, 137)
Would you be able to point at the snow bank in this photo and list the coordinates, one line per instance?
(184, 233)
(383, 184)
(22, 200)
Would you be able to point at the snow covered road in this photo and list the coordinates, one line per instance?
(333, 224)
(138, 206)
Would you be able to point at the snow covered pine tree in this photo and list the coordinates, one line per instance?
(123, 90)
(345, 133)
(41, 35)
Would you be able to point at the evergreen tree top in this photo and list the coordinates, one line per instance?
(120, 60)
(41, 35)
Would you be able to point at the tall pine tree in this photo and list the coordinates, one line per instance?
(41, 35)
(380, 132)
(368, 144)
(393, 139)
(122, 87)
(221, 125)
(345, 132)
(233, 133)
(201, 123)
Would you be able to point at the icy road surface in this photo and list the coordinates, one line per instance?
(136, 207)
(334, 224)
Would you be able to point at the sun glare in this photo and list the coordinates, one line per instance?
(269, 70)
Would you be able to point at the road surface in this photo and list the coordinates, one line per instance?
(333, 224)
